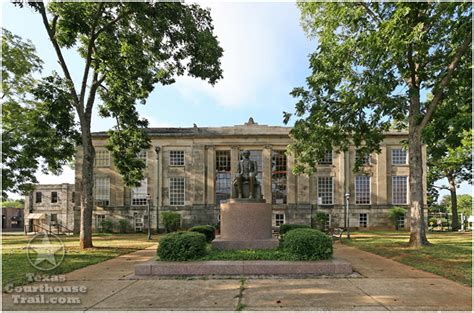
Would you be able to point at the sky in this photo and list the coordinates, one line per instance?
(265, 57)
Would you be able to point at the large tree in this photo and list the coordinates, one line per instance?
(127, 48)
(373, 64)
(38, 127)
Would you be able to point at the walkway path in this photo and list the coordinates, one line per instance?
(383, 284)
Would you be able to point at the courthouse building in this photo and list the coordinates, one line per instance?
(190, 170)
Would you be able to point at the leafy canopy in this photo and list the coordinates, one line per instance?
(128, 48)
(38, 127)
(370, 60)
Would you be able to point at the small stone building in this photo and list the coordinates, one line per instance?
(189, 171)
(50, 206)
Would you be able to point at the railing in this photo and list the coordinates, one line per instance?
(60, 226)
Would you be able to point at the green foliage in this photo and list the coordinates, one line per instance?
(248, 255)
(107, 226)
(362, 69)
(182, 246)
(308, 244)
(464, 204)
(321, 219)
(19, 204)
(171, 220)
(284, 228)
(206, 230)
(124, 226)
(395, 213)
(37, 118)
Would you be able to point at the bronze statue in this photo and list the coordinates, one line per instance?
(247, 171)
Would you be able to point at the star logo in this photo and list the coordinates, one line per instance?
(45, 252)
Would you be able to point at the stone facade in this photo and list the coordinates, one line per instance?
(50, 205)
(189, 171)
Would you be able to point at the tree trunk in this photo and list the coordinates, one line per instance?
(87, 196)
(454, 201)
(417, 219)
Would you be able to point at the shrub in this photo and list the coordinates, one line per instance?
(321, 219)
(395, 213)
(182, 246)
(171, 221)
(206, 230)
(308, 244)
(124, 226)
(107, 226)
(284, 228)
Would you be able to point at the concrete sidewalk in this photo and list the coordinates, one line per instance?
(383, 284)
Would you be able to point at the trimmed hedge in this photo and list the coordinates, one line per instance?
(206, 230)
(284, 228)
(182, 246)
(308, 244)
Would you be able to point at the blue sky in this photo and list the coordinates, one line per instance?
(265, 56)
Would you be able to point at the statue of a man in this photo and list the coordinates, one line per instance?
(246, 171)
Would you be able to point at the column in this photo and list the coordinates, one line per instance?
(267, 173)
(211, 174)
(382, 176)
(158, 186)
(291, 180)
(234, 159)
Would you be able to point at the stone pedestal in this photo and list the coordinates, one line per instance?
(245, 224)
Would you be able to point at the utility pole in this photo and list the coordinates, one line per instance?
(148, 198)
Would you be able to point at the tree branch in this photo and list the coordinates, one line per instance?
(90, 47)
(92, 92)
(59, 54)
(371, 12)
(115, 20)
(446, 79)
(440, 187)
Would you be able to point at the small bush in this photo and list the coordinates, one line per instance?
(206, 230)
(284, 228)
(171, 221)
(124, 226)
(320, 219)
(107, 226)
(182, 246)
(308, 244)
(395, 213)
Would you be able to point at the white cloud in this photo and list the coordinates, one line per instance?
(254, 52)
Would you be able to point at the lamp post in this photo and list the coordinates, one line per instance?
(347, 196)
(148, 198)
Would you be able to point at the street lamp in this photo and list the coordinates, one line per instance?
(347, 196)
(148, 199)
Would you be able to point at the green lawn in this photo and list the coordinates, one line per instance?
(106, 246)
(450, 254)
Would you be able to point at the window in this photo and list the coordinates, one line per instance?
(176, 158)
(327, 158)
(399, 189)
(278, 219)
(54, 197)
(38, 197)
(177, 191)
(363, 218)
(142, 155)
(102, 158)
(223, 176)
(325, 190)
(279, 174)
(364, 157)
(399, 157)
(362, 189)
(99, 220)
(102, 190)
(139, 193)
(73, 196)
(138, 220)
(401, 221)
